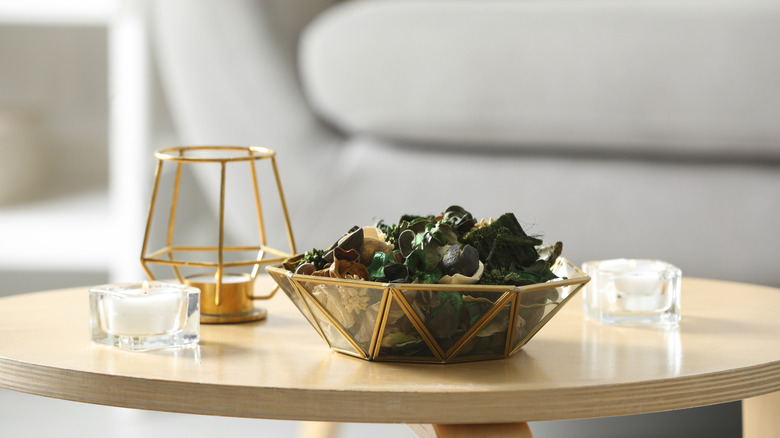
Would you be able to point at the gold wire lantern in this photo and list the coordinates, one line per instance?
(226, 297)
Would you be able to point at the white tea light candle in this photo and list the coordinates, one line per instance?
(144, 311)
(145, 316)
(630, 291)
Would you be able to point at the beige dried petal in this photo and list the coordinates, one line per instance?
(354, 299)
(482, 223)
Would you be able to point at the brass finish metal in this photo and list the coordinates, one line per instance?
(376, 337)
(235, 303)
(307, 311)
(419, 325)
(220, 301)
(362, 353)
(480, 324)
(256, 314)
(506, 297)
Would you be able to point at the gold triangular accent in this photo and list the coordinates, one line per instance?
(481, 323)
(395, 304)
(316, 308)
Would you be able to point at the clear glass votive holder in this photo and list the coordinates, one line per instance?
(145, 316)
(632, 292)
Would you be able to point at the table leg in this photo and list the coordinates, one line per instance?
(505, 430)
(760, 416)
(318, 429)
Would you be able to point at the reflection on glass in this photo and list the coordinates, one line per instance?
(449, 315)
(534, 306)
(400, 338)
(491, 339)
(289, 289)
(332, 335)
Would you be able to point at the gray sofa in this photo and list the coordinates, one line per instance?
(624, 128)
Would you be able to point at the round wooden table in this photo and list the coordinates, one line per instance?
(726, 348)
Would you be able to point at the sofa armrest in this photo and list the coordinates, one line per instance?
(702, 77)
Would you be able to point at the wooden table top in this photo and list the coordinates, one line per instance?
(726, 348)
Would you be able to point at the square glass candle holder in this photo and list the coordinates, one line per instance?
(632, 292)
(145, 316)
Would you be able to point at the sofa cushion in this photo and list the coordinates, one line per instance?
(711, 219)
(686, 76)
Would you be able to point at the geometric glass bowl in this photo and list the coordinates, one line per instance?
(427, 323)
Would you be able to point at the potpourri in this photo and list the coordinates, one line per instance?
(451, 248)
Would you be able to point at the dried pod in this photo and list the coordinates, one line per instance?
(462, 279)
(351, 255)
(291, 263)
(343, 269)
(461, 259)
(350, 245)
(406, 242)
(306, 269)
(469, 259)
(397, 273)
(353, 240)
(451, 261)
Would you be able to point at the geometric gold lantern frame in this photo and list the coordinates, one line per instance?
(382, 321)
(225, 297)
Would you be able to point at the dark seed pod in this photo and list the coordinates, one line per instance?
(345, 238)
(397, 273)
(351, 255)
(306, 269)
(354, 241)
(406, 242)
(461, 259)
(451, 262)
(460, 219)
(469, 260)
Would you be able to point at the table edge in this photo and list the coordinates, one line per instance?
(401, 407)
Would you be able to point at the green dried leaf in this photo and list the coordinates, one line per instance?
(503, 243)
(431, 276)
(476, 309)
(444, 318)
(315, 257)
(376, 270)
(416, 261)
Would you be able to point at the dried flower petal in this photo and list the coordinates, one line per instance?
(354, 299)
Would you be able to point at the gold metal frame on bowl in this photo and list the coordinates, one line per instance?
(518, 301)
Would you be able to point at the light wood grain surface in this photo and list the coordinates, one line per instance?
(726, 348)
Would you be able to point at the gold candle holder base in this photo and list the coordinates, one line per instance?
(233, 303)
(256, 314)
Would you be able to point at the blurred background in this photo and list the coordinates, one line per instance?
(654, 135)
